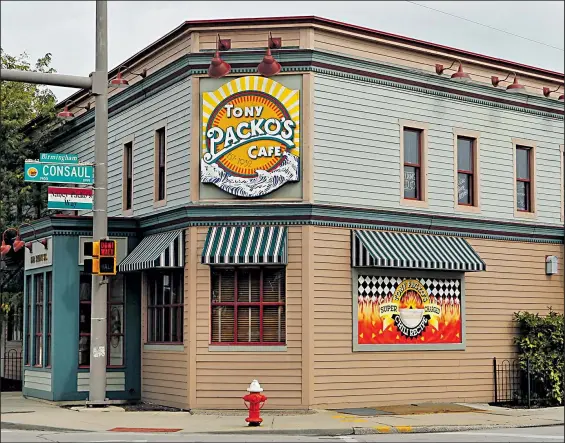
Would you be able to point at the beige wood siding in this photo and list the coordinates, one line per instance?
(249, 38)
(515, 280)
(223, 377)
(403, 55)
(164, 373)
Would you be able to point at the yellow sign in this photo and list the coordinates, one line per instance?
(250, 136)
(410, 309)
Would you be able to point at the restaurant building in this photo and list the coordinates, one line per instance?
(355, 229)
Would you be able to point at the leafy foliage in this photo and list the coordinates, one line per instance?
(541, 342)
(27, 114)
(27, 120)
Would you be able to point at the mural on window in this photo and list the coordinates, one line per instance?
(401, 310)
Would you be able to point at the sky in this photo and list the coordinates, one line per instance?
(66, 28)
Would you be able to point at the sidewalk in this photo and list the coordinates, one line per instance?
(20, 413)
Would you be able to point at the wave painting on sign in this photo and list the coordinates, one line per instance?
(399, 311)
(250, 136)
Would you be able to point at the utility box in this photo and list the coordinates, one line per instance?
(551, 265)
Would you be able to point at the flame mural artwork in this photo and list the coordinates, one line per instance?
(407, 311)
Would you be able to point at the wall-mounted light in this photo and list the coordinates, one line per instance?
(17, 244)
(65, 114)
(269, 66)
(546, 91)
(551, 265)
(219, 68)
(514, 87)
(121, 82)
(459, 75)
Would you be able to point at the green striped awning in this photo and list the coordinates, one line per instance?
(165, 250)
(240, 245)
(382, 249)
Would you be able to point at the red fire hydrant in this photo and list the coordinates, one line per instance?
(256, 401)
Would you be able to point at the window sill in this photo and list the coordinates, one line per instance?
(414, 203)
(468, 208)
(525, 214)
(159, 203)
(127, 212)
(237, 348)
(163, 347)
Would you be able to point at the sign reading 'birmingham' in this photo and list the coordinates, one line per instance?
(250, 136)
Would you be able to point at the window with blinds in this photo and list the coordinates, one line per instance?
(248, 306)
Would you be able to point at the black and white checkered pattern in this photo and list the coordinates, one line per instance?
(374, 287)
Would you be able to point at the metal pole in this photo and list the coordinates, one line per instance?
(40, 78)
(97, 393)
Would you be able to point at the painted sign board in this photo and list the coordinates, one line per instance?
(58, 173)
(250, 136)
(70, 199)
(51, 157)
(408, 311)
(40, 255)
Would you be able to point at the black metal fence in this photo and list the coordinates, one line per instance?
(516, 385)
(11, 370)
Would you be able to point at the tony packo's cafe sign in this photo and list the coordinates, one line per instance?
(250, 136)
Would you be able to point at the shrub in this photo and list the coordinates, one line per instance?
(540, 341)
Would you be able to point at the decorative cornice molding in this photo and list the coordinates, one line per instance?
(70, 225)
(346, 217)
(300, 214)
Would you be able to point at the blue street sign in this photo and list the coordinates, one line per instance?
(50, 157)
(58, 173)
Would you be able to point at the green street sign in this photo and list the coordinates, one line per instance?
(49, 157)
(79, 174)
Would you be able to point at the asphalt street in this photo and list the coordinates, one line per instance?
(543, 434)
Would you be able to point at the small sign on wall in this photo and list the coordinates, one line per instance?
(40, 255)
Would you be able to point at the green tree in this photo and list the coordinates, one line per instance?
(27, 120)
(27, 115)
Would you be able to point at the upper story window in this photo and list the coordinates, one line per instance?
(466, 171)
(160, 164)
(524, 178)
(127, 184)
(248, 306)
(412, 164)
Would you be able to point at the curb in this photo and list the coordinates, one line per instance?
(373, 430)
(25, 427)
(335, 432)
(442, 429)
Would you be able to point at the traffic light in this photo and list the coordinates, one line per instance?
(103, 261)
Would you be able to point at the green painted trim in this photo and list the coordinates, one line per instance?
(70, 225)
(347, 217)
(299, 214)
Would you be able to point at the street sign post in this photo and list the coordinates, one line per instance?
(80, 174)
(49, 157)
(69, 199)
